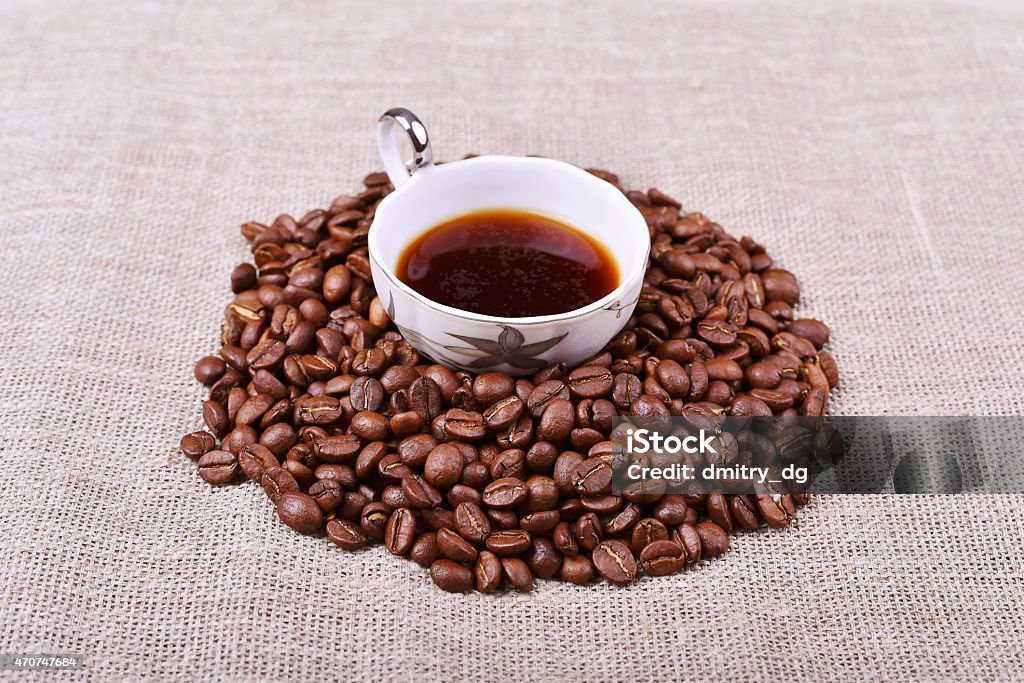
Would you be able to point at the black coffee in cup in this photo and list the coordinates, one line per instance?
(509, 264)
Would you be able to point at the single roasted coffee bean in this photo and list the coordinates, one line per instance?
(487, 572)
(588, 531)
(255, 460)
(443, 465)
(464, 424)
(209, 369)
(646, 532)
(455, 547)
(590, 381)
(196, 444)
(491, 387)
(662, 558)
(420, 493)
(424, 549)
(687, 538)
(518, 574)
(373, 520)
(713, 539)
(277, 481)
(327, 493)
(508, 542)
(614, 562)
(505, 493)
(400, 531)
(592, 477)
(451, 576)
(345, 534)
(471, 522)
(218, 467)
(577, 569)
(543, 558)
(300, 512)
(565, 539)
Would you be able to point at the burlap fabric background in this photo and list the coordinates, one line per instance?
(875, 148)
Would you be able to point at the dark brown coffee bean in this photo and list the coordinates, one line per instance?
(327, 493)
(723, 369)
(614, 562)
(713, 539)
(830, 368)
(277, 481)
(243, 277)
(490, 387)
(373, 520)
(209, 369)
(503, 412)
(216, 417)
(590, 382)
(393, 496)
(487, 572)
(300, 512)
(565, 539)
(626, 389)
(420, 493)
(425, 551)
(623, 521)
(266, 355)
(588, 531)
(557, 421)
(255, 460)
(451, 576)
(662, 558)
(463, 424)
(370, 426)
(646, 532)
(366, 393)
(509, 463)
(780, 285)
(718, 511)
(577, 569)
(687, 538)
(592, 477)
(318, 410)
(518, 435)
(776, 510)
(471, 522)
(505, 493)
(346, 534)
(341, 448)
(443, 465)
(425, 397)
(196, 444)
(400, 531)
(455, 547)
(718, 333)
(518, 574)
(540, 522)
(671, 510)
(543, 394)
(218, 467)
(508, 542)
(744, 513)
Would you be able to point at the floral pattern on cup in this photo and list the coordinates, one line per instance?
(508, 347)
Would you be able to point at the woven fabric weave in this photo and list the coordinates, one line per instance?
(874, 148)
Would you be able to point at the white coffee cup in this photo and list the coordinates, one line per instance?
(427, 195)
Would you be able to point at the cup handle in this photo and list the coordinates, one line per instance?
(391, 122)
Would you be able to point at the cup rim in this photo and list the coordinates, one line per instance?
(627, 279)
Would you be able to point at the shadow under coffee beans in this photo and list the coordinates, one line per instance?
(486, 479)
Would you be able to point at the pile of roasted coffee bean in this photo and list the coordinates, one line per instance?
(487, 479)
